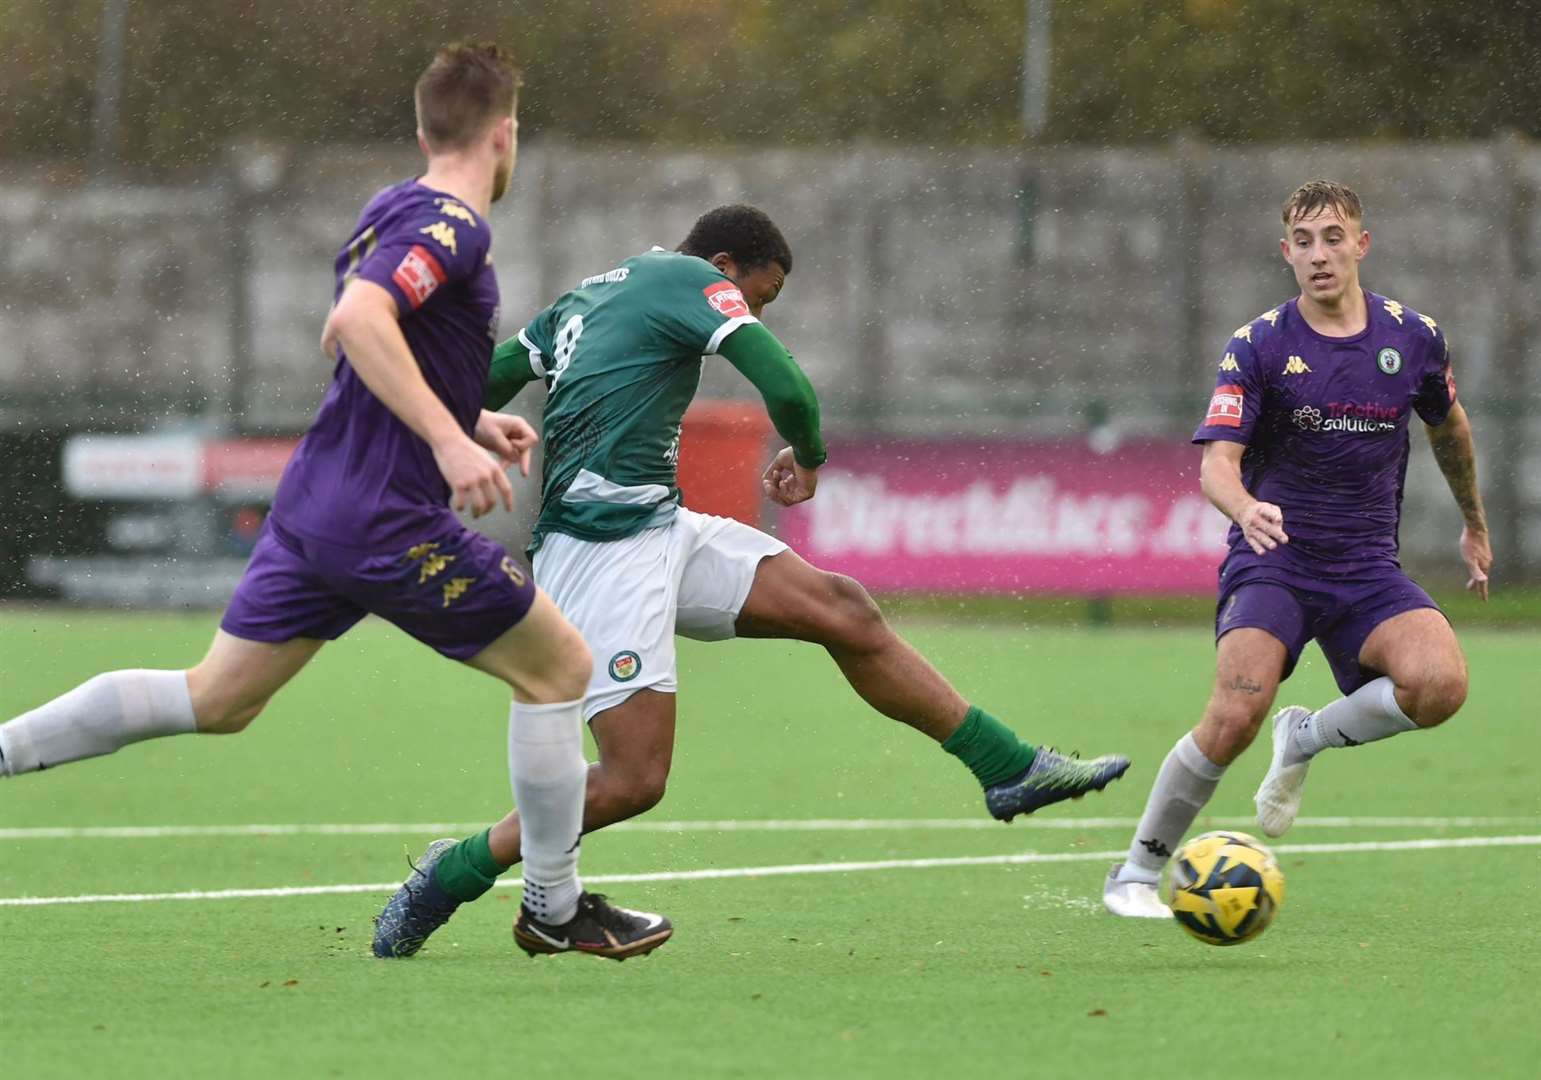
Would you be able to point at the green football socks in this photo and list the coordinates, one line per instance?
(989, 748)
(468, 869)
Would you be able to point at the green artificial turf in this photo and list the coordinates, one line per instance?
(1381, 963)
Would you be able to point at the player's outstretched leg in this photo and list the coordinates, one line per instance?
(222, 694)
(791, 599)
(1249, 664)
(1425, 683)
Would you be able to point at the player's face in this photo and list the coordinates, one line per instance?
(506, 142)
(760, 286)
(1324, 251)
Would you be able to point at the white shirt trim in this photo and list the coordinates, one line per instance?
(535, 364)
(590, 487)
(724, 330)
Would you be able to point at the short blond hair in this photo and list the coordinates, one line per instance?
(1313, 196)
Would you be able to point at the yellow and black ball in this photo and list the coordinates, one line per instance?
(1226, 887)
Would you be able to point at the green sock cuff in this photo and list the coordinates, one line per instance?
(990, 749)
(467, 870)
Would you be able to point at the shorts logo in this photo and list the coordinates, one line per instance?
(726, 300)
(1225, 407)
(625, 666)
(418, 275)
(455, 588)
(1389, 361)
(511, 568)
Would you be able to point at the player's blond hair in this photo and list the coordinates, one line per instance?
(1314, 196)
(466, 87)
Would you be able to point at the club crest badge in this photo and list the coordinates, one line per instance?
(625, 666)
(1389, 361)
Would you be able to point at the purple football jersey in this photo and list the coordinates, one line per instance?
(360, 476)
(1325, 423)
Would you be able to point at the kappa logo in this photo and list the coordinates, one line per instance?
(418, 275)
(1395, 310)
(1296, 366)
(450, 208)
(1229, 363)
(1225, 408)
(1430, 323)
(1245, 333)
(455, 588)
(444, 233)
(625, 666)
(1271, 317)
(1389, 361)
(726, 300)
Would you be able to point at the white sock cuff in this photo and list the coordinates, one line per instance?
(1388, 702)
(534, 725)
(1195, 760)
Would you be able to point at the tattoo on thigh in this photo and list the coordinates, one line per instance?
(1245, 685)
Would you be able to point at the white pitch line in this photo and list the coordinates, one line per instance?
(387, 828)
(1025, 858)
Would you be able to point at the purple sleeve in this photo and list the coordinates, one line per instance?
(1237, 399)
(423, 249)
(1436, 389)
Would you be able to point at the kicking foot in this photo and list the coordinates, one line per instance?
(599, 928)
(1132, 899)
(1278, 796)
(419, 907)
(1051, 778)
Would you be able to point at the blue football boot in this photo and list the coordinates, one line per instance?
(1051, 778)
(419, 907)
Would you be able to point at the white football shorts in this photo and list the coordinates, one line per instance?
(629, 597)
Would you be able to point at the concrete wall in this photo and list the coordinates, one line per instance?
(933, 292)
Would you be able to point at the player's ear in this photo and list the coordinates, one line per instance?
(1364, 242)
(422, 142)
(724, 262)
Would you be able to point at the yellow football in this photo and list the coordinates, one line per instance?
(1226, 887)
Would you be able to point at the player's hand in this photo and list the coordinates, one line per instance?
(1262, 526)
(510, 437)
(787, 482)
(1477, 553)
(476, 481)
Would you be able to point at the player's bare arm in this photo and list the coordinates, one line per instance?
(1261, 523)
(1456, 453)
(364, 323)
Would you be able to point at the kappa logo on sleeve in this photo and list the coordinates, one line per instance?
(418, 275)
(1225, 407)
(726, 300)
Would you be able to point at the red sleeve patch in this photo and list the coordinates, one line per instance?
(418, 275)
(726, 300)
(1225, 407)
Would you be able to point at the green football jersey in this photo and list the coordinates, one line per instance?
(621, 359)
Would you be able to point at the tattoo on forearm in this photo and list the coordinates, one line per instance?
(1457, 459)
(1244, 685)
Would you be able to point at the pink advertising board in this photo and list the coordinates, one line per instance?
(1011, 516)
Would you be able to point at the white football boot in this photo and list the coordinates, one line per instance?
(1278, 796)
(1132, 899)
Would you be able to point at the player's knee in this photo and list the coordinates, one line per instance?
(227, 717)
(855, 620)
(1229, 728)
(1438, 697)
(644, 789)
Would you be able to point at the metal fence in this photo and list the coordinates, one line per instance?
(1022, 293)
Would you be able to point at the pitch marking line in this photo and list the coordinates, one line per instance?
(387, 828)
(1026, 858)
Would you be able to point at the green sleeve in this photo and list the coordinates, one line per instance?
(788, 394)
(511, 369)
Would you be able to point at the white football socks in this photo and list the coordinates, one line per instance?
(1184, 785)
(545, 761)
(97, 717)
(1368, 714)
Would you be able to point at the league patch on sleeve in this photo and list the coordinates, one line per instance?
(726, 300)
(1225, 407)
(418, 275)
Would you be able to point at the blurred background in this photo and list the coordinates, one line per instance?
(1023, 232)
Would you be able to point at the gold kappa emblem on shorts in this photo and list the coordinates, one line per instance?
(455, 588)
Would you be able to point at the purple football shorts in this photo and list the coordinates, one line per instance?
(1338, 613)
(454, 590)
